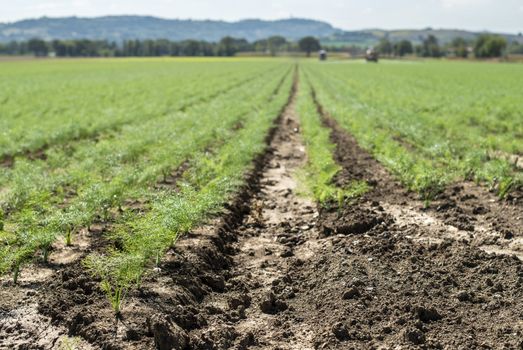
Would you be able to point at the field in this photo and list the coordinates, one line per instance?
(260, 203)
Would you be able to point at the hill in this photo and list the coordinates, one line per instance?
(371, 36)
(118, 28)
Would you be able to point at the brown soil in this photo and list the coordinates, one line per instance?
(276, 272)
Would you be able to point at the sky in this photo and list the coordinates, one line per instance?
(492, 15)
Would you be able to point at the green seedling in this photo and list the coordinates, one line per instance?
(118, 273)
(208, 184)
(67, 343)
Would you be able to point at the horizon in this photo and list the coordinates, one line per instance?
(502, 16)
(266, 20)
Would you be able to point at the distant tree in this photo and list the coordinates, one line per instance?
(38, 47)
(17, 48)
(190, 48)
(460, 47)
(488, 45)
(384, 47)
(309, 44)
(430, 47)
(229, 46)
(275, 44)
(403, 48)
(515, 48)
(129, 48)
(260, 45)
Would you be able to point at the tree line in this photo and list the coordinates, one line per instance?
(227, 46)
(485, 46)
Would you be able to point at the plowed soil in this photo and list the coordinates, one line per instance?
(278, 272)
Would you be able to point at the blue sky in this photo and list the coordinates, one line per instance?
(493, 15)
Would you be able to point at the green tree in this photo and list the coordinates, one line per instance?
(191, 48)
(309, 44)
(38, 47)
(275, 44)
(403, 48)
(488, 45)
(460, 47)
(229, 46)
(515, 48)
(430, 47)
(384, 47)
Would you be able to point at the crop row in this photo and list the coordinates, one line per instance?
(211, 180)
(430, 123)
(98, 176)
(70, 101)
(321, 169)
(66, 165)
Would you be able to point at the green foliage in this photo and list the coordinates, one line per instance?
(460, 47)
(430, 123)
(385, 47)
(488, 45)
(430, 47)
(229, 46)
(38, 47)
(402, 48)
(90, 180)
(67, 343)
(321, 169)
(79, 100)
(118, 274)
(209, 183)
(309, 44)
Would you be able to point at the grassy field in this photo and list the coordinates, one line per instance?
(150, 149)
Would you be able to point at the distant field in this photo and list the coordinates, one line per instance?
(106, 164)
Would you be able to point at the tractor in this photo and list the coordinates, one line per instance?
(371, 55)
(322, 55)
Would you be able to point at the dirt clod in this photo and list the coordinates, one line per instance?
(340, 331)
(167, 335)
(352, 293)
(272, 305)
(429, 314)
(414, 336)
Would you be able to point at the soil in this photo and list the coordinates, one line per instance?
(277, 272)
